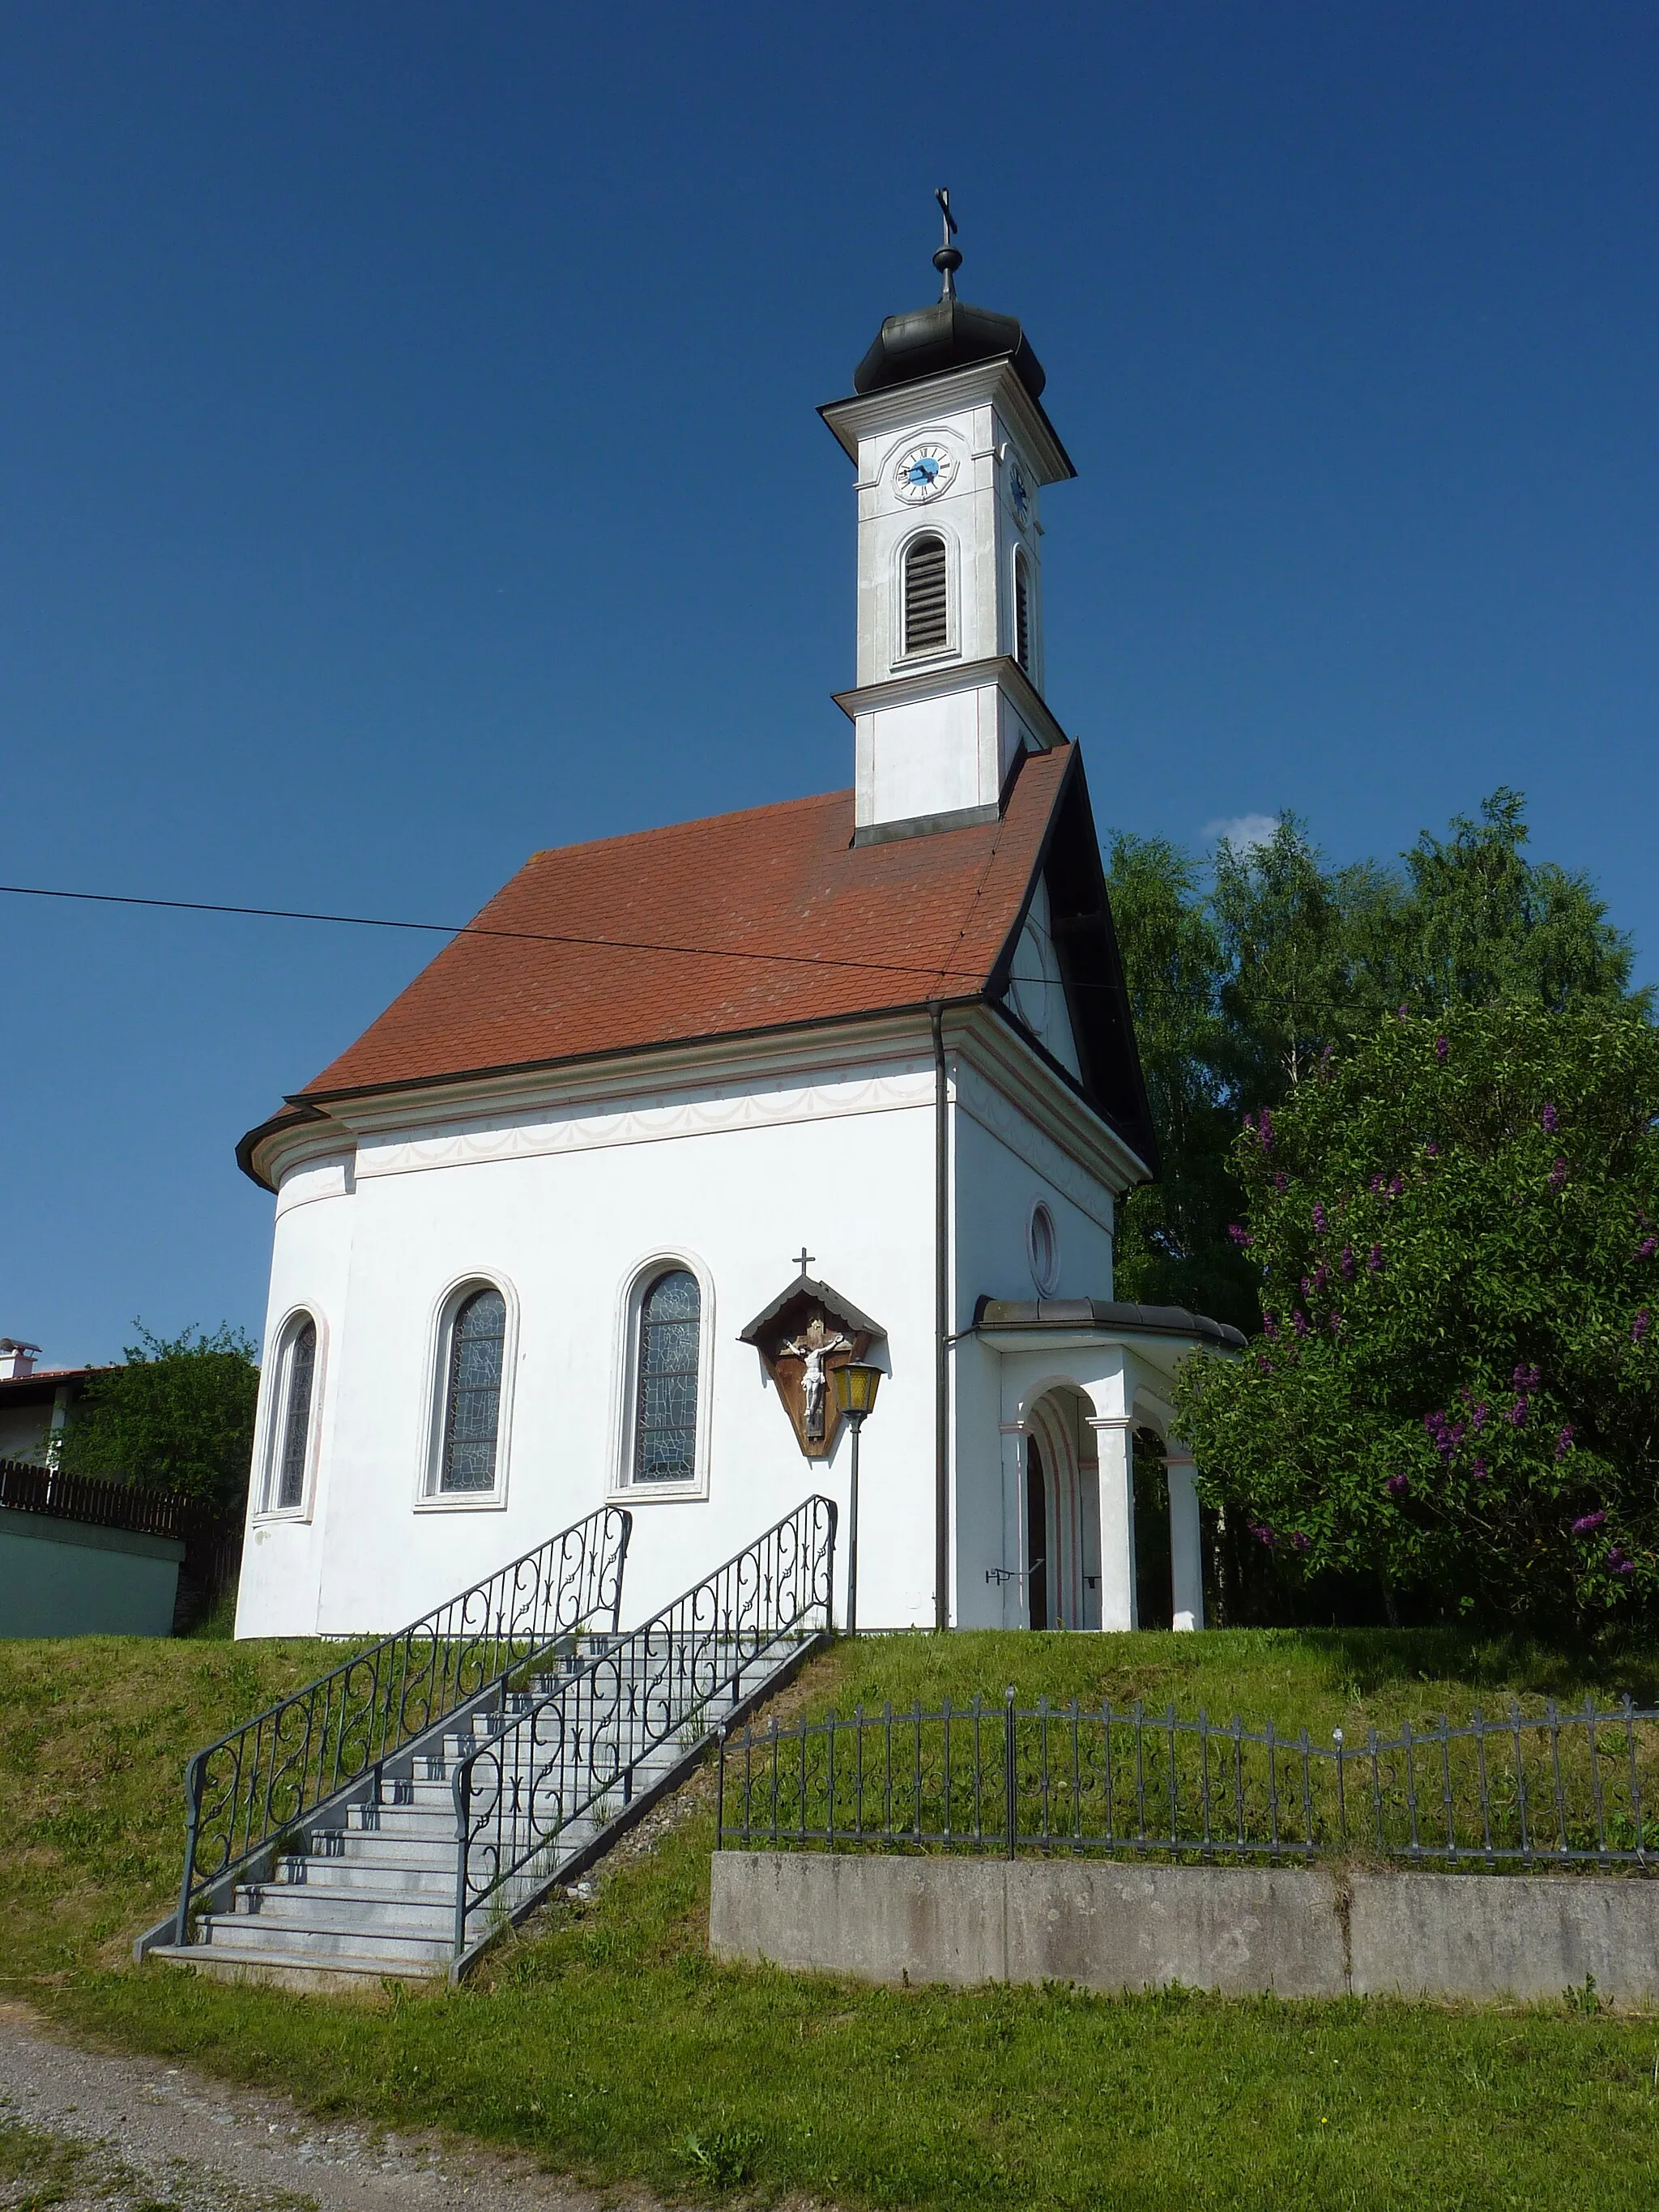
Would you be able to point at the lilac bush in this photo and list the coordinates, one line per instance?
(1472, 1406)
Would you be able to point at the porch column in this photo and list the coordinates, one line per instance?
(1186, 1541)
(1114, 1435)
(1010, 1576)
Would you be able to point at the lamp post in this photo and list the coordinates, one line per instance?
(856, 1384)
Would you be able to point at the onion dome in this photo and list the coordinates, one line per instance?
(950, 334)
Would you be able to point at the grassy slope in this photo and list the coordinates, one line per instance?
(610, 2045)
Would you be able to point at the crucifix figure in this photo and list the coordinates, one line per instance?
(814, 1345)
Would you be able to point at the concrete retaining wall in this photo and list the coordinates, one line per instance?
(1240, 1930)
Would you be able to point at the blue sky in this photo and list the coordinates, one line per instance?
(408, 459)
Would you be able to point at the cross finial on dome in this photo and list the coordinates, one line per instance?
(948, 259)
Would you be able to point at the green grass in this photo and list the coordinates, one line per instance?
(610, 2045)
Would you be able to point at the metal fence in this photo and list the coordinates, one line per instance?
(575, 1750)
(257, 1781)
(27, 1488)
(1527, 1789)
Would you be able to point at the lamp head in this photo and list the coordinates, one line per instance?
(856, 1384)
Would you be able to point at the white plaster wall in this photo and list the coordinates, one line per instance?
(995, 1188)
(310, 1267)
(562, 1230)
(976, 520)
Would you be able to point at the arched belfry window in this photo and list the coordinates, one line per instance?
(666, 1390)
(1022, 609)
(472, 1396)
(926, 610)
(296, 1376)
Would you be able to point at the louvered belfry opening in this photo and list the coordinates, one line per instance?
(1022, 614)
(926, 616)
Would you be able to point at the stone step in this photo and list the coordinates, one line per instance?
(374, 1877)
(297, 1967)
(249, 1933)
(275, 1906)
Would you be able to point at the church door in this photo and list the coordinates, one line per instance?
(1036, 1537)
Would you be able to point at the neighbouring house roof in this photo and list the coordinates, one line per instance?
(772, 919)
(43, 1383)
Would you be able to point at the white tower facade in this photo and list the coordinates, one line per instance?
(952, 449)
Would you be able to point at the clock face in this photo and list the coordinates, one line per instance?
(923, 473)
(1019, 493)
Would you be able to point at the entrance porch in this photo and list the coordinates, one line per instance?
(1086, 1392)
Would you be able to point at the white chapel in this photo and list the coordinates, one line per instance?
(684, 1118)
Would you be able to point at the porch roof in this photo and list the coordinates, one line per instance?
(1101, 1317)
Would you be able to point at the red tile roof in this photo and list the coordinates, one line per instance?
(693, 919)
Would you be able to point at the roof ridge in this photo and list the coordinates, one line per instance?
(697, 822)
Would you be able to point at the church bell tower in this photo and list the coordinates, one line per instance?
(946, 429)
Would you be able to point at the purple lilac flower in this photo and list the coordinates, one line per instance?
(1374, 1259)
(1441, 1048)
(1639, 1327)
(1564, 1441)
(1264, 1364)
(1526, 1378)
(1347, 1262)
(1300, 1321)
(1397, 1188)
(1376, 1183)
(1319, 1220)
(1336, 1321)
(1618, 1564)
(1322, 1276)
(1518, 1414)
(1307, 1285)
(1240, 1235)
(1302, 1543)
(1552, 1120)
(1432, 1148)
(1403, 1012)
(1269, 1325)
(1587, 1523)
(1478, 1470)
(1557, 1174)
(1263, 1534)
(1281, 1184)
(1396, 1485)
(1265, 1129)
(1477, 1414)
(1647, 1247)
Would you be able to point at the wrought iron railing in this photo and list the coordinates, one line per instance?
(1529, 1790)
(264, 1777)
(577, 1749)
(26, 1488)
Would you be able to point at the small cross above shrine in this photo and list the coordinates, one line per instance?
(803, 1259)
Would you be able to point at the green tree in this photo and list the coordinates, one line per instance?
(1240, 984)
(1457, 1385)
(179, 1415)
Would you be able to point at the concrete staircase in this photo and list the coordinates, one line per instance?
(539, 1778)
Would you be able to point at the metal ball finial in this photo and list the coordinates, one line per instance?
(947, 259)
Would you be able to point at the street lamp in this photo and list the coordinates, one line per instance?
(856, 1385)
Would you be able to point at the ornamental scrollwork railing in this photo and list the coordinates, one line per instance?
(575, 1751)
(1525, 1791)
(253, 1785)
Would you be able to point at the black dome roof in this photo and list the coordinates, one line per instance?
(948, 335)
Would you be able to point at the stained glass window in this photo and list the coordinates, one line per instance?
(665, 1411)
(473, 1408)
(300, 1369)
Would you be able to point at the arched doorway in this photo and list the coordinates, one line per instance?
(1061, 1513)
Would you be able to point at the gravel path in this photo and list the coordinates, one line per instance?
(83, 2129)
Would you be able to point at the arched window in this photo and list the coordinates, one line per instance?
(296, 1376)
(926, 613)
(1022, 609)
(472, 1400)
(666, 1393)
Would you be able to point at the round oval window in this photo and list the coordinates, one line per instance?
(1044, 1247)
